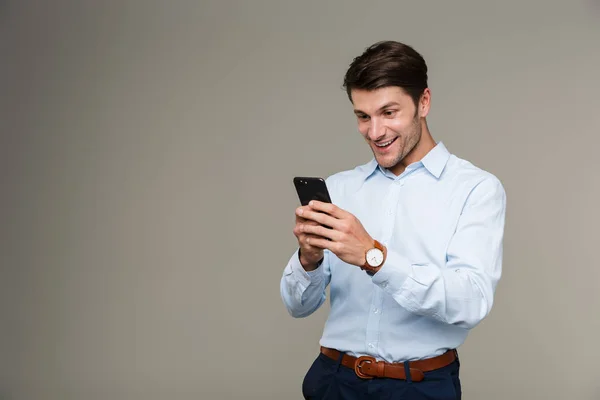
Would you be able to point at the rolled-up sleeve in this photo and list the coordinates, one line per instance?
(461, 292)
(303, 292)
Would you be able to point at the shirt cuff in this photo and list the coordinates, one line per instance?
(393, 274)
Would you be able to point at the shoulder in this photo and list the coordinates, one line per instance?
(348, 181)
(476, 181)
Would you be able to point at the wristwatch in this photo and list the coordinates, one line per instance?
(374, 258)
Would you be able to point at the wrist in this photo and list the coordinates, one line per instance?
(308, 265)
(374, 258)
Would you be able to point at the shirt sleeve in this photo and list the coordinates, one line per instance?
(460, 292)
(303, 292)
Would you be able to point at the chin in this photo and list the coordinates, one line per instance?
(388, 162)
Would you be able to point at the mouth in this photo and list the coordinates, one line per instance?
(384, 145)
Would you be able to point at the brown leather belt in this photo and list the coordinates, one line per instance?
(367, 367)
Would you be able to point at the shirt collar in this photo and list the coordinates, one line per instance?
(435, 161)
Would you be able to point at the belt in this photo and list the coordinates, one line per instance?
(368, 367)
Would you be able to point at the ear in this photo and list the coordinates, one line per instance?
(425, 103)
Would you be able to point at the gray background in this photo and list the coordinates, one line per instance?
(147, 151)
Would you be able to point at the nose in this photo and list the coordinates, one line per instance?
(376, 129)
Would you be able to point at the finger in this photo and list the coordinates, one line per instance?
(319, 230)
(306, 213)
(307, 248)
(321, 243)
(306, 239)
(322, 219)
(302, 229)
(327, 208)
(301, 210)
(300, 221)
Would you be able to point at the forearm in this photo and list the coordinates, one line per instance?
(460, 290)
(303, 292)
(460, 295)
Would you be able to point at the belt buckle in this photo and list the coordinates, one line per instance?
(359, 363)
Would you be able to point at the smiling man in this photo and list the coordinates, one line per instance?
(413, 254)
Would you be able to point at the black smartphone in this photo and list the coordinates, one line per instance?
(311, 188)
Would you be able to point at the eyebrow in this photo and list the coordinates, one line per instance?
(386, 105)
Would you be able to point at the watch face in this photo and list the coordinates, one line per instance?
(374, 257)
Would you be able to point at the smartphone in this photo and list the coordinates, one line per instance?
(311, 188)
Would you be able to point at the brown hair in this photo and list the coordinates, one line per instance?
(388, 63)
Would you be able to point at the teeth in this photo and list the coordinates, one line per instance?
(384, 144)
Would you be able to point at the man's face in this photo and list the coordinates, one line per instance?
(390, 123)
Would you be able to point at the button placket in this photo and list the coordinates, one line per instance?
(374, 320)
(391, 204)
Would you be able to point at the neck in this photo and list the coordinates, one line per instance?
(424, 146)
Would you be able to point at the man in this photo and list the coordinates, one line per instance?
(414, 249)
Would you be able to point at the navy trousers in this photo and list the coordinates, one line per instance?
(327, 379)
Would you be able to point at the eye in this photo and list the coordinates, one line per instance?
(362, 117)
(389, 113)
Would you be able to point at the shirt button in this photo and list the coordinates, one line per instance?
(375, 311)
(371, 345)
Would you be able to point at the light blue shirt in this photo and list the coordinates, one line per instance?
(442, 221)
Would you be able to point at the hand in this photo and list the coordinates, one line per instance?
(309, 255)
(348, 239)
